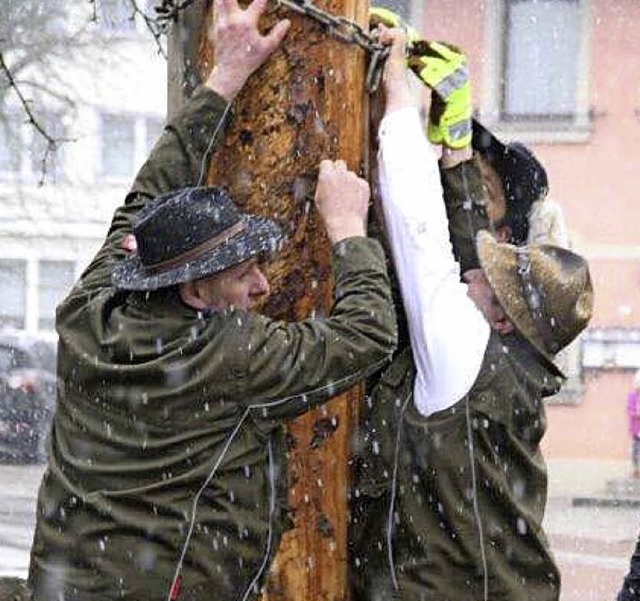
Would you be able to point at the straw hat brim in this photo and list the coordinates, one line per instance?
(500, 265)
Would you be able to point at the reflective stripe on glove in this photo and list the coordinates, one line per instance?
(443, 68)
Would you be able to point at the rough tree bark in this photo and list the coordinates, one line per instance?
(306, 104)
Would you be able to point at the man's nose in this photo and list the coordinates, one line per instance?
(260, 284)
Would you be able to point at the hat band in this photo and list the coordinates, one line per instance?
(197, 251)
(533, 300)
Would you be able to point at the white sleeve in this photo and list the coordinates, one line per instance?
(448, 333)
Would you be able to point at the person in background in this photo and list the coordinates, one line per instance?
(633, 417)
(449, 480)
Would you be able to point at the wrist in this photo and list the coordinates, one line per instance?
(347, 230)
(225, 82)
(398, 93)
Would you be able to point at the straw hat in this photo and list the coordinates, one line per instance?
(545, 291)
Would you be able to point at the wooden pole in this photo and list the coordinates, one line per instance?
(306, 104)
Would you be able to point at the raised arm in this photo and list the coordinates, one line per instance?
(446, 330)
(179, 157)
(284, 368)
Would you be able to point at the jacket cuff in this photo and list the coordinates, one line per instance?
(357, 254)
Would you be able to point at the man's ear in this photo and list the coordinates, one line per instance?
(191, 294)
(504, 233)
(503, 326)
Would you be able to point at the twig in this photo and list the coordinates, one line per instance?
(25, 103)
(52, 143)
(155, 26)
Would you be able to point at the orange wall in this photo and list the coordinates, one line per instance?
(597, 183)
(595, 429)
(617, 291)
(460, 23)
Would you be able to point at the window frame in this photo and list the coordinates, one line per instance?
(611, 348)
(28, 138)
(109, 27)
(23, 263)
(72, 264)
(532, 130)
(103, 174)
(138, 25)
(142, 143)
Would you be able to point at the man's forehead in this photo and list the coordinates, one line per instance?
(240, 267)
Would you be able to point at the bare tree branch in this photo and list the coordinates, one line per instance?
(154, 25)
(52, 142)
(27, 47)
(64, 98)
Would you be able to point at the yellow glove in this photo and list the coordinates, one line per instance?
(383, 16)
(444, 69)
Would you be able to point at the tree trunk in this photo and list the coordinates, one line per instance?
(306, 104)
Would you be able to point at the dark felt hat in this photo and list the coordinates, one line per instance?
(545, 290)
(524, 179)
(189, 234)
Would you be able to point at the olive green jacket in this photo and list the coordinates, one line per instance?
(448, 504)
(168, 425)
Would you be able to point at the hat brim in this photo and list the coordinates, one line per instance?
(509, 163)
(500, 265)
(486, 143)
(259, 237)
(523, 177)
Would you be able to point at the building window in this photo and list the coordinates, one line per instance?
(54, 281)
(10, 144)
(118, 146)
(13, 290)
(153, 130)
(125, 143)
(400, 7)
(540, 70)
(410, 11)
(536, 72)
(611, 348)
(43, 159)
(115, 16)
(25, 152)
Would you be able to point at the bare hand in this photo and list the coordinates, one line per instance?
(394, 79)
(342, 199)
(240, 48)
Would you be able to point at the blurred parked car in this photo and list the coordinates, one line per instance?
(27, 396)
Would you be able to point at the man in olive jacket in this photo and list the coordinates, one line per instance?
(166, 475)
(450, 484)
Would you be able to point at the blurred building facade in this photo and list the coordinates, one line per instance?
(558, 76)
(109, 102)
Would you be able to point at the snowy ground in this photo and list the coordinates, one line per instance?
(592, 544)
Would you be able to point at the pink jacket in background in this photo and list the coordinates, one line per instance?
(633, 412)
